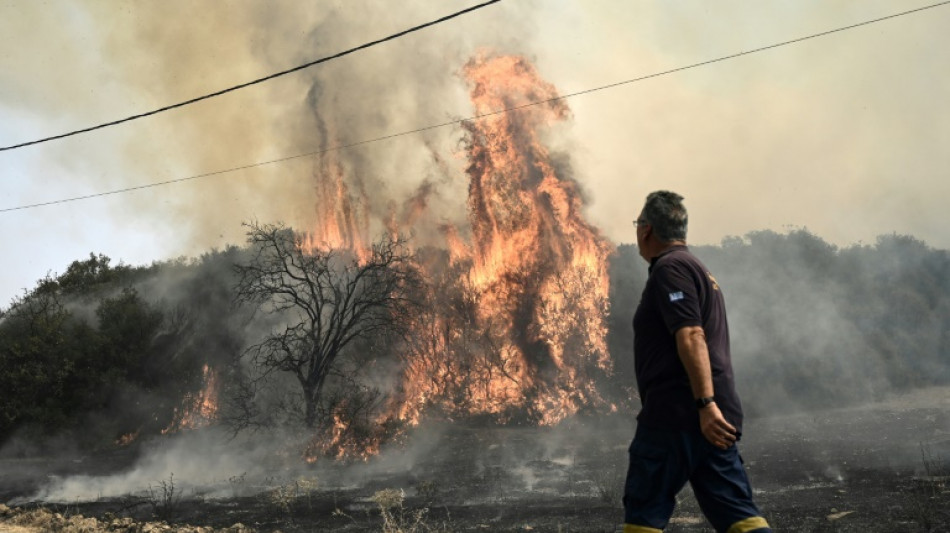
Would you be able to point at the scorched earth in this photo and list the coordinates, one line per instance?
(881, 467)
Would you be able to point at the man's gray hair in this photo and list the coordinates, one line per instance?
(665, 212)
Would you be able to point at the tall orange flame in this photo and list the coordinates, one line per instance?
(536, 269)
(516, 323)
(343, 217)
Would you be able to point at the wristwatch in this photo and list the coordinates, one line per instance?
(703, 402)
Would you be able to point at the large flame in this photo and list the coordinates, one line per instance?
(515, 325)
(535, 270)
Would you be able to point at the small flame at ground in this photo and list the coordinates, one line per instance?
(197, 410)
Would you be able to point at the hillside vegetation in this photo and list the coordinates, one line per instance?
(102, 351)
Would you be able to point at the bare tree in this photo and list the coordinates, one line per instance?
(327, 300)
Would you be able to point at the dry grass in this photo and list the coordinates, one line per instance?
(608, 483)
(43, 520)
(926, 504)
(165, 499)
(5, 528)
(398, 519)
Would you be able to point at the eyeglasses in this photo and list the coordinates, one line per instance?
(640, 222)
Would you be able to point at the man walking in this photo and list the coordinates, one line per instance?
(691, 416)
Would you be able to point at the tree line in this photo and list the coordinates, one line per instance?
(102, 350)
(814, 325)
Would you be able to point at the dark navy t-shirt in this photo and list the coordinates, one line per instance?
(680, 292)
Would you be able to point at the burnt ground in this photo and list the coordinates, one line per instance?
(882, 467)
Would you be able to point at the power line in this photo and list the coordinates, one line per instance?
(740, 54)
(255, 82)
(474, 117)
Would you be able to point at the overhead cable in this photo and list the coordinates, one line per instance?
(474, 117)
(254, 82)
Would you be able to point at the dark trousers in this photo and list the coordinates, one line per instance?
(662, 461)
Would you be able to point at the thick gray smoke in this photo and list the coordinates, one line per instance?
(399, 86)
(814, 326)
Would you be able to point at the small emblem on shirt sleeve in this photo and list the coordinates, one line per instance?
(675, 296)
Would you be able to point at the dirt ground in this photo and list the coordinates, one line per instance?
(877, 468)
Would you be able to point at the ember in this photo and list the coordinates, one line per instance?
(127, 439)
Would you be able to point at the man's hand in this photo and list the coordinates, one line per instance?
(692, 349)
(715, 428)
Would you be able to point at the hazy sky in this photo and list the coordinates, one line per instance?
(845, 135)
